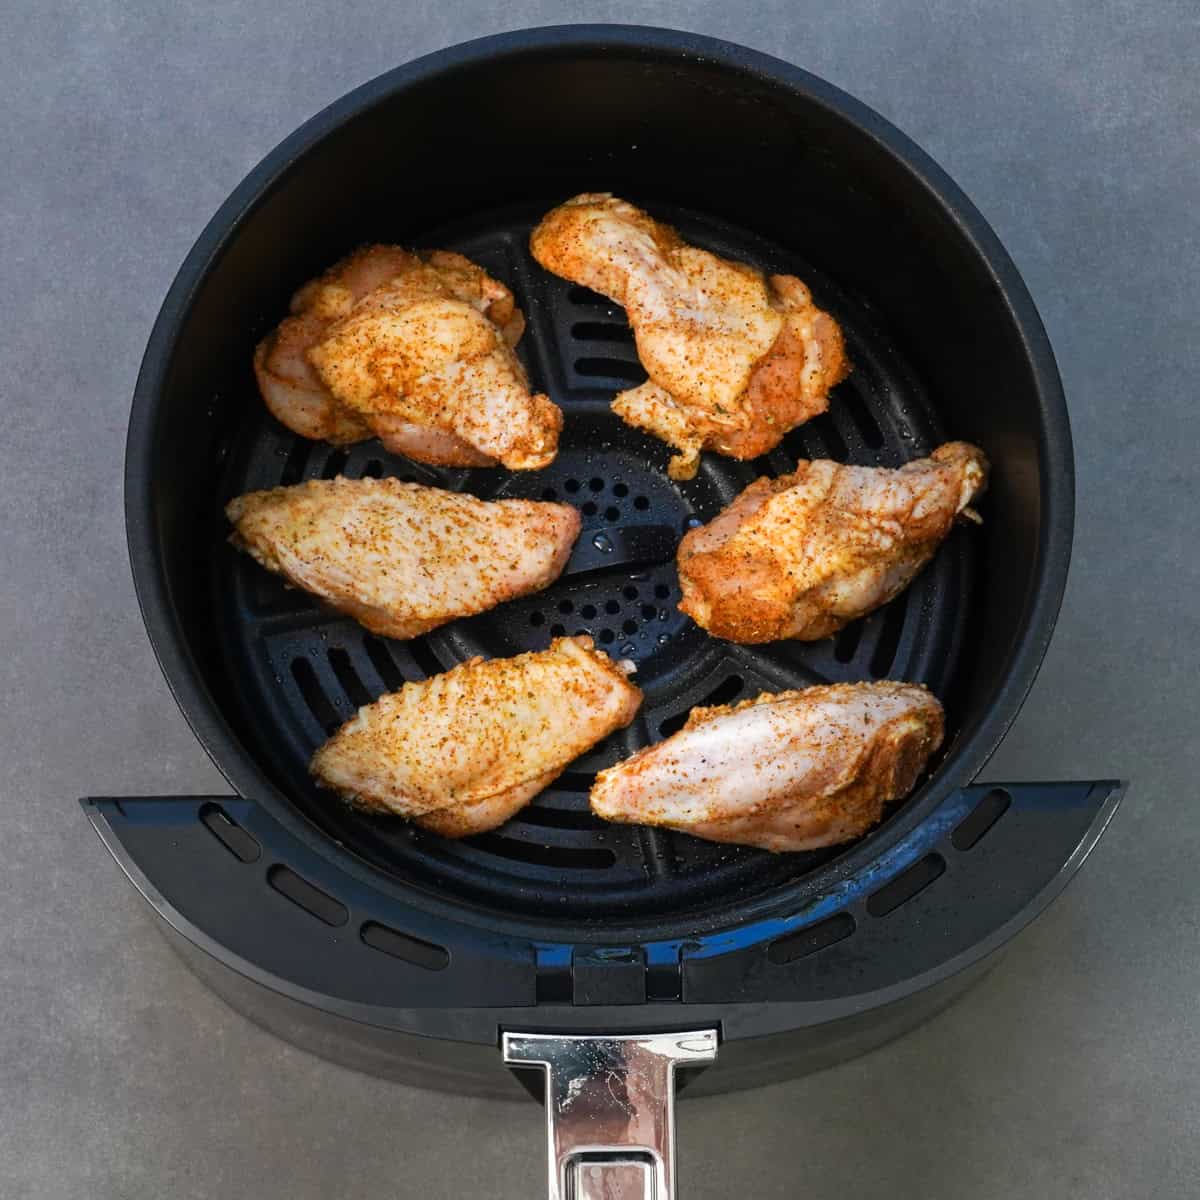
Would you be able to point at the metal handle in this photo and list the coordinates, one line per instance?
(610, 1109)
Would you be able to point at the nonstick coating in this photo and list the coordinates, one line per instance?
(305, 669)
(748, 155)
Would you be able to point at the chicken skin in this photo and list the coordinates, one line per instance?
(401, 558)
(462, 752)
(802, 555)
(416, 349)
(735, 359)
(792, 771)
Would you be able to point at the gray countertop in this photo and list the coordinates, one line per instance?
(1070, 1072)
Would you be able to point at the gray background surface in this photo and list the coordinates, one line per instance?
(1072, 1071)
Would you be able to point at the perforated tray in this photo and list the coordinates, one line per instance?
(301, 669)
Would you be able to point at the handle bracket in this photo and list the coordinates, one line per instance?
(610, 1109)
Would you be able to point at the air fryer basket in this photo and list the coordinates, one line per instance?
(406, 953)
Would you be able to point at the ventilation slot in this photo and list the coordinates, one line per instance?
(373, 469)
(561, 818)
(906, 885)
(803, 942)
(574, 781)
(610, 368)
(595, 331)
(314, 697)
(847, 640)
(586, 298)
(307, 896)
(855, 407)
(229, 833)
(567, 858)
(347, 676)
(382, 661)
(335, 464)
(425, 658)
(884, 654)
(827, 431)
(723, 693)
(980, 819)
(297, 460)
(404, 946)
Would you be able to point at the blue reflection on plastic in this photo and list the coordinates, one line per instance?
(904, 853)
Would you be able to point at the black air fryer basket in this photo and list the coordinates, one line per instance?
(583, 945)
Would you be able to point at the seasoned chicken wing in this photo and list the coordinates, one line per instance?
(462, 752)
(735, 358)
(413, 348)
(793, 771)
(802, 555)
(402, 558)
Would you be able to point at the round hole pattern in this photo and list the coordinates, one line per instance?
(625, 616)
(614, 492)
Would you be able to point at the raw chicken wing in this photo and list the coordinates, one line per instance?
(793, 771)
(402, 558)
(413, 348)
(462, 752)
(735, 358)
(802, 555)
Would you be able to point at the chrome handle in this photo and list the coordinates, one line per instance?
(610, 1109)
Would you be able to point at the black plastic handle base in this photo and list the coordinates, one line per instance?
(224, 874)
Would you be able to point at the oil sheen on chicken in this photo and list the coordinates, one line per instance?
(735, 358)
(462, 752)
(416, 349)
(401, 558)
(802, 555)
(794, 771)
